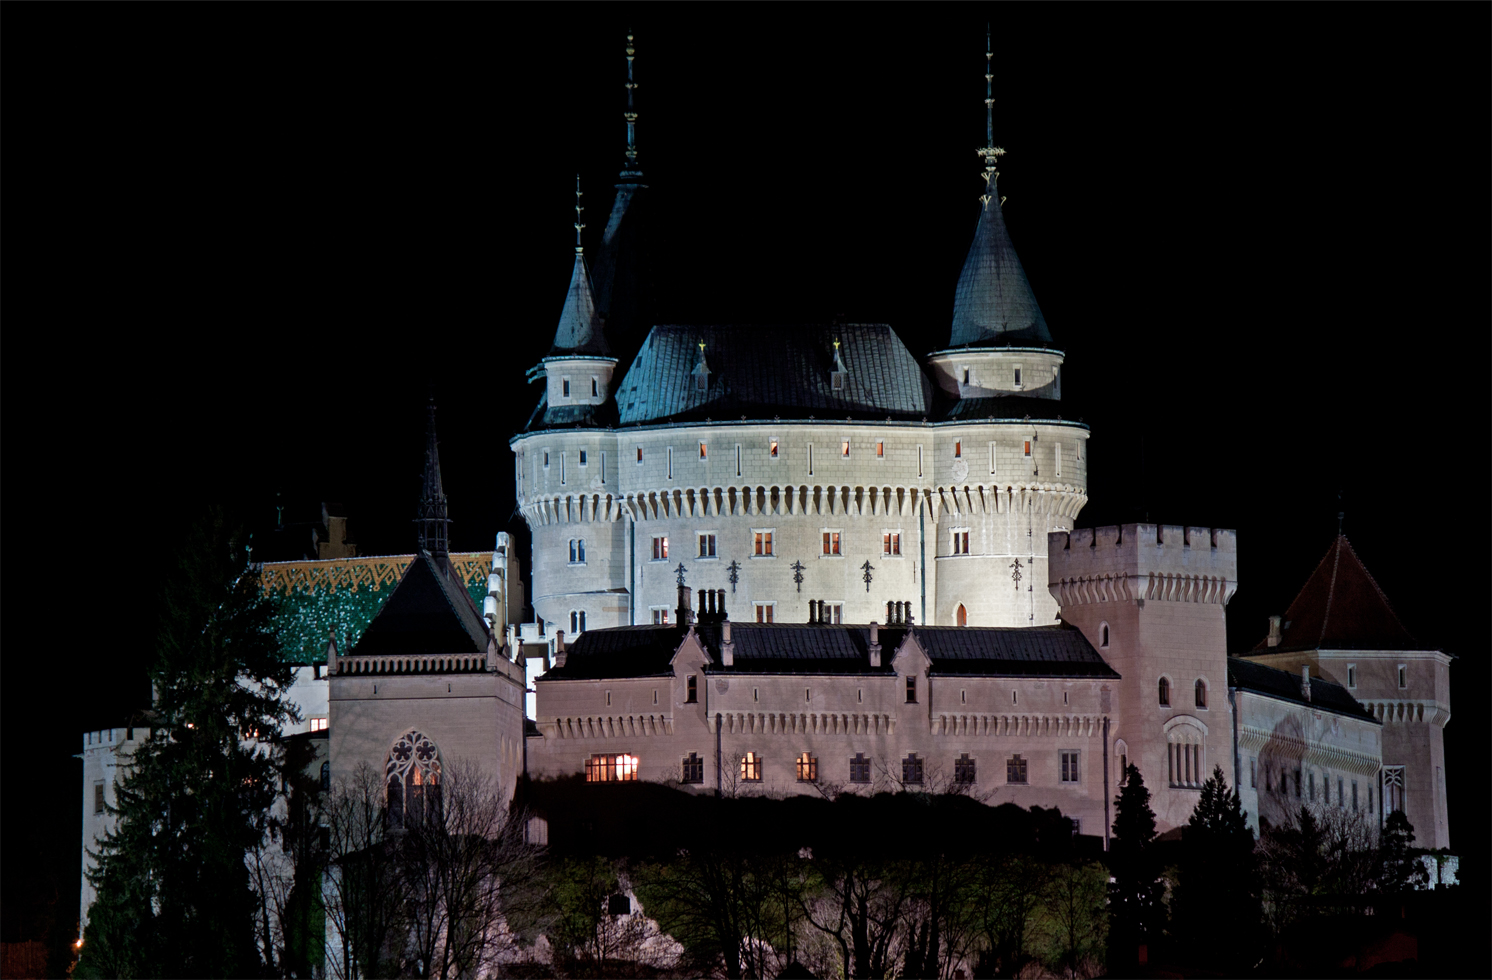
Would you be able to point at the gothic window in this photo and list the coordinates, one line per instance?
(1103, 636)
(691, 690)
(963, 769)
(1069, 763)
(1015, 770)
(577, 621)
(412, 775)
(611, 768)
(751, 768)
(694, 769)
(1165, 693)
(1393, 788)
(859, 768)
(961, 615)
(911, 770)
(1201, 693)
(808, 768)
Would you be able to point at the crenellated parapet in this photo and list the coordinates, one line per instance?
(1143, 563)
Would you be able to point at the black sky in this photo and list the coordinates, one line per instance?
(243, 242)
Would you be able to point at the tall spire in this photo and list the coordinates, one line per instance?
(433, 522)
(993, 302)
(579, 330)
(630, 169)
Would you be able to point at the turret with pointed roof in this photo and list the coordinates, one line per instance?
(993, 303)
(579, 330)
(433, 522)
(1340, 607)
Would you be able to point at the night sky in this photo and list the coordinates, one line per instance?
(244, 243)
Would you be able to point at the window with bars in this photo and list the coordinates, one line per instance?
(611, 768)
(911, 770)
(1015, 769)
(963, 769)
(859, 768)
(1068, 761)
(751, 768)
(808, 768)
(693, 769)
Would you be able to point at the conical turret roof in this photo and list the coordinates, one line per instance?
(993, 303)
(1341, 607)
(579, 330)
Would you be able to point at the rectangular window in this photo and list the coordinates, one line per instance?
(660, 615)
(595, 388)
(958, 448)
(891, 543)
(608, 699)
(1017, 375)
(582, 457)
(691, 689)
(603, 467)
(318, 724)
(565, 385)
(693, 770)
(738, 459)
(1403, 676)
(1069, 763)
(1341, 794)
(762, 543)
(963, 769)
(1351, 675)
(751, 768)
(704, 453)
(707, 546)
(1253, 774)
(911, 690)
(639, 455)
(808, 768)
(960, 542)
(1057, 455)
(670, 462)
(577, 551)
(772, 448)
(546, 459)
(562, 467)
(844, 448)
(98, 797)
(834, 612)
(992, 458)
(1027, 444)
(810, 459)
(880, 450)
(660, 548)
(764, 611)
(911, 770)
(1015, 770)
(859, 768)
(611, 768)
(831, 542)
(919, 461)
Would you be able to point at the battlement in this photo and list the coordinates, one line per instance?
(114, 737)
(1150, 562)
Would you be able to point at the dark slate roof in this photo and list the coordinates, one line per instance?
(579, 330)
(430, 612)
(805, 648)
(546, 416)
(776, 370)
(1285, 686)
(1341, 607)
(993, 302)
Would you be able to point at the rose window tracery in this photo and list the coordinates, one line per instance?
(412, 775)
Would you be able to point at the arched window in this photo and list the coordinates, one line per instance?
(1103, 636)
(963, 615)
(1201, 694)
(577, 622)
(1121, 759)
(412, 775)
(1165, 693)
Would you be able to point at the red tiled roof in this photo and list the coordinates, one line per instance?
(1341, 607)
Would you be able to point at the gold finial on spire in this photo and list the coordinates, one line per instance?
(701, 348)
(630, 169)
(989, 152)
(578, 226)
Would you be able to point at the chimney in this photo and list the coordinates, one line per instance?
(686, 614)
(560, 653)
(875, 644)
(1305, 681)
(1274, 630)
(907, 619)
(727, 648)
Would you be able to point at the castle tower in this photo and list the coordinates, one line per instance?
(1152, 600)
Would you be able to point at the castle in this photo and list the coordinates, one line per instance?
(793, 558)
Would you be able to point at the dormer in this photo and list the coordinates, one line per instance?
(911, 663)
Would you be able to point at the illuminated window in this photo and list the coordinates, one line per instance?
(412, 774)
(831, 542)
(577, 551)
(1069, 764)
(1165, 693)
(762, 543)
(704, 453)
(707, 546)
(639, 455)
(691, 690)
(844, 448)
(880, 450)
(693, 769)
(764, 611)
(660, 548)
(772, 448)
(963, 769)
(751, 768)
(961, 615)
(808, 768)
(318, 724)
(958, 449)
(1015, 770)
(98, 797)
(611, 768)
(1201, 694)
(911, 690)
(891, 543)
(1027, 444)
(859, 768)
(660, 615)
(911, 769)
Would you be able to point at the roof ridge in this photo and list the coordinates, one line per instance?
(1331, 588)
(1376, 587)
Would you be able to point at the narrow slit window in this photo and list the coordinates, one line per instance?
(639, 455)
(583, 457)
(958, 448)
(772, 448)
(670, 462)
(911, 690)
(738, 460)
(565, 387)
(880, 450)
(966, 375)
(1027, 444)
(844, 448)
(595, 388)
(704, 452)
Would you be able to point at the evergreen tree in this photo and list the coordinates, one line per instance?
(1135, 910)
(1218, 881)
(1399, 870)
(174, 894)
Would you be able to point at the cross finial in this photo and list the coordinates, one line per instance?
(578, 209)
(701, 348)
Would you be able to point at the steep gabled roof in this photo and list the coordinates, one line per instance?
(993, 302)
(1341, 607)
(774, 370)
(430, 612)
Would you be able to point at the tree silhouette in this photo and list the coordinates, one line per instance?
(1218, 881)
(1135, 909)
